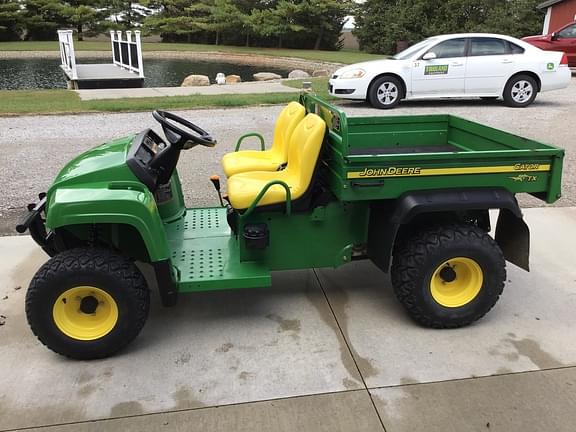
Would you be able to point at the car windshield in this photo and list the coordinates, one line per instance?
(410, 51)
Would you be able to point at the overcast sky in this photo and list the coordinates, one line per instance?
(350, 23)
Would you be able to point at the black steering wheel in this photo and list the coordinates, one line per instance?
(184, 139)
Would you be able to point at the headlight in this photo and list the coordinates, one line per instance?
(354, 73)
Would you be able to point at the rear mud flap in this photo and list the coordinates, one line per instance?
(513, 237)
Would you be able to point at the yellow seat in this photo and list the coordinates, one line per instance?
(303, 151)
(266, 160)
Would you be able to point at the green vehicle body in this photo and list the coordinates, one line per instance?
(382, 173)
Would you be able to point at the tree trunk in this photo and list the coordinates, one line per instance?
(80, 32)
(319, 39)
(280, 41)
(217, 42)
(248, 39)
(128, 21)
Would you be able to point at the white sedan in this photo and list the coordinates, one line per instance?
(459, 65)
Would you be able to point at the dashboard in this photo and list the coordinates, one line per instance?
(147, 145)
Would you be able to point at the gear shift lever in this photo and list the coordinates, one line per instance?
(216, 182)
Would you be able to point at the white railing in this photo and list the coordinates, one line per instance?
(127, 53)
(67, 54)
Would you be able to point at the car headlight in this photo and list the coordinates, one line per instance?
(353, 73)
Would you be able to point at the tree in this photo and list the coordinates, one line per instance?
(84, 13)
(176, 18)
(298, 23)
(125, 14)
(246, 7)
(514, 17)
(380, 24)
(43, 18)
(324, 19)
(278, 22)
(218, 16)
(11, 20)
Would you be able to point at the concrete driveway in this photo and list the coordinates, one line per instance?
(322, 350)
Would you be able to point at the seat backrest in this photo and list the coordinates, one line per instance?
(303, 151)
(287, 121)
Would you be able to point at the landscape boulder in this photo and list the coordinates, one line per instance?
(297, 73)
(266, 76)
(233, 79)
(320, 73)
(195, 80)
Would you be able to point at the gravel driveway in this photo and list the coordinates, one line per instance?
(34, 148)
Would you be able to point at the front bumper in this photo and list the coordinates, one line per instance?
(35, 223)
(347, 88)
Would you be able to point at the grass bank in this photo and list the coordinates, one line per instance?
(19, 102)
(344, 56)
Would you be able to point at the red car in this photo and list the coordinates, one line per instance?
(560, 40)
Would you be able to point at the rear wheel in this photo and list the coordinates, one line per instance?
(87, 303)
(520, 91)
(385, 92)
(448, 276)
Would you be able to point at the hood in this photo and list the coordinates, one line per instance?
(103, 163)
(536, 38)
(369, 65)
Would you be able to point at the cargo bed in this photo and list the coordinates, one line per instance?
(371, 158)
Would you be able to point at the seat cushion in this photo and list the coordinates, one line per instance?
(305, 145)
(277, 155)
(248, 160)
(243, 188)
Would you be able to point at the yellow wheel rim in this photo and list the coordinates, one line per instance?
(85, 313)
(456, 282)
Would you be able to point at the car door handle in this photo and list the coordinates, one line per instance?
(457, 64)
(507, 61)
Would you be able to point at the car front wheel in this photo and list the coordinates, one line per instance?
(385, 92)
(520, 91)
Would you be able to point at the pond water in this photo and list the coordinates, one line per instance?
(20, 74)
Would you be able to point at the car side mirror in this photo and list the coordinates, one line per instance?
(429, 56)
(554, 36)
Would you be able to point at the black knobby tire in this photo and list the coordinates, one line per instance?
(373, 92)
(419, 256)
(509, 88)
(114, 274)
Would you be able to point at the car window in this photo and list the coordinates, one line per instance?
(450, 48)
(515, 49)
(488, 46)
(568, 32)
(410, 51)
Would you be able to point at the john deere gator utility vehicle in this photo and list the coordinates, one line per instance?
(411, 194)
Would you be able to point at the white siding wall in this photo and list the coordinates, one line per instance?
(547, 20)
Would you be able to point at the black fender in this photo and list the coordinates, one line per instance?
(388, 217)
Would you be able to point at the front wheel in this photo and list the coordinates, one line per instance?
(87, 303)
(448, 276)
(520, 91)
(385, 92)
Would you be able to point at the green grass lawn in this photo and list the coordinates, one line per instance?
(17, 102)
(344, 56)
